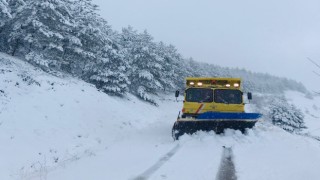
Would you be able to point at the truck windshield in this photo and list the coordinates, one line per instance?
(227, 96)
(199, 95)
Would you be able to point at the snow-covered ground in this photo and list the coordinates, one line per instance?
(58, 127)
(311, 109)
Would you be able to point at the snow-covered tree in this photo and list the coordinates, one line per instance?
(98, 58)
(145, 64)
(41, 29)
(5, 12)
(109, 74)
(286, 115)
(16, 6)
(92, 35)
(174, 67)
(165, 59)
(68, 36)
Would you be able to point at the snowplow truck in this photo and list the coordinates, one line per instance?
(213, 104)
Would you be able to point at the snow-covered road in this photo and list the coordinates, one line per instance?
(227, 169)
(151, 170)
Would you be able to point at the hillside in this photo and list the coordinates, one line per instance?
(54, 126)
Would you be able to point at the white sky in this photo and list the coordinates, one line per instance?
(263, 36)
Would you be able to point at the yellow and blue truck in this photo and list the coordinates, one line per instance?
(213, 104)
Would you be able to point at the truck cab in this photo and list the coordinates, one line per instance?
(212, 95)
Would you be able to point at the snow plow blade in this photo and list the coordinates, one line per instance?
(216, 122)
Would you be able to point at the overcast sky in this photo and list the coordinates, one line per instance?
(263, 36)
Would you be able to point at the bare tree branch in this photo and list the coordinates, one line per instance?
(313, 62)
(316, 73)
(318, 93)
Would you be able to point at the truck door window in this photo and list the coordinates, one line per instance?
(199, 95)
(227, 96)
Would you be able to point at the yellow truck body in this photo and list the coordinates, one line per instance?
(213, 104)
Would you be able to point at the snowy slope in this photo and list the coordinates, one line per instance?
(58, 127)
(311, 109)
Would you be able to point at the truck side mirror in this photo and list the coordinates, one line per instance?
(177, 93)
(249, 95)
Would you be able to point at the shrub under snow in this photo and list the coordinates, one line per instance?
(286, 115)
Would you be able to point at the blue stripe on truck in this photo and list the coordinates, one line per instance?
(226, 115)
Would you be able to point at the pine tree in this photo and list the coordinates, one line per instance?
(98, 54)
(16, 6)
(40, 31)
(146, 67)
(91, 32)
(109, 74)
(286, 115)
(168, 59)
(5, 12)
(174, 69)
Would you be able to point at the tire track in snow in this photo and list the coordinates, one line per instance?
(152, 169)
(227, 169)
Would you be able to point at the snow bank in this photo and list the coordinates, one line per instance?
(48, 121)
